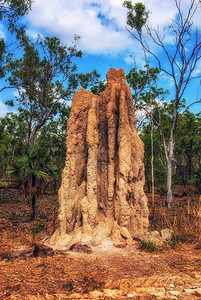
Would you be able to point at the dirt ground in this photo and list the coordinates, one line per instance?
(120, 273)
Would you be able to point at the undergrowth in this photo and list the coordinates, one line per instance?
(149, 245)
(181, 238)
(183, 219)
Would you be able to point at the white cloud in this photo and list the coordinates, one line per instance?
(3, 109)
(100, 23)
(2, 32)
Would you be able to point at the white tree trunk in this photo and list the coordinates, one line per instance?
(169, 184)
(169, 158)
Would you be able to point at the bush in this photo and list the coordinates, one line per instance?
(147, 245)
(184, 237)
(173, 242)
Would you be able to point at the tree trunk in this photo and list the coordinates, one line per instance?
(169, 158)
(33, 198)
(168, 202)
(25, 184)
(152, 156)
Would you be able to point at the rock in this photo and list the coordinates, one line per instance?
(42, 250)
(103, 178)
(80, 248)
(125, 233)
(155, 234)
(121, 246)
(18, 253)
(166, 234)
(155, 237)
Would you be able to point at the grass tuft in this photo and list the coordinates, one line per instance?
(149, 245)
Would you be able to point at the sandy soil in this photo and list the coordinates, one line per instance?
(106, 273)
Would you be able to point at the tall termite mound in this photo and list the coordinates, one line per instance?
(101, 196)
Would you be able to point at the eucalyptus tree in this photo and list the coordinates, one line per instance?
(45, 77)
(179, 62)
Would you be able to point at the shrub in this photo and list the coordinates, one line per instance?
(147, 245)
(184, 237)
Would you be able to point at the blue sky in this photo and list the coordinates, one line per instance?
(104, 39)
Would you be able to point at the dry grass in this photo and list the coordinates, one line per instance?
(184, 219)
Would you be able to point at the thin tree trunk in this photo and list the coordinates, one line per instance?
(152, 155)
(169, 172)
(33, 200)
(168, 202)
(26, 183)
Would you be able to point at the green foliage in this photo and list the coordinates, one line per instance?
(140, 82)
(52, 138)
(159, 158)
(45, 76)
(3, 199)
(188, 148)
(2, 54)
(149, 245)
(33, 162)
(98, 88)
(44, 69)
(173, 242)
(88, 79)
(136, 15)
(184, 237)
(196, 181)
(12, 135)
(177, 63)
(13, 9)
(10, 11)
